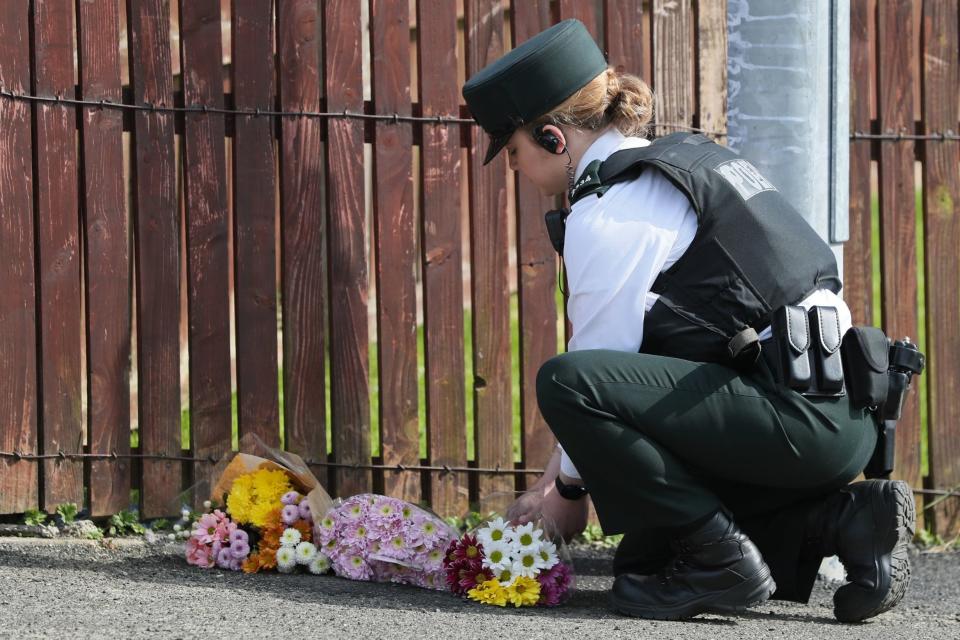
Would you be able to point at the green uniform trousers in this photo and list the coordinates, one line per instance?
(662, 442)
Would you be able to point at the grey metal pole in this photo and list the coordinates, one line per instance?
(788, 102)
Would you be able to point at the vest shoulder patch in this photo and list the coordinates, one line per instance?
(744, 177)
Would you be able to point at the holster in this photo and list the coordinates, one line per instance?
(804, 352)
(866, 360)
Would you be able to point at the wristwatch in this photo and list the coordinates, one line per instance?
(570, 491)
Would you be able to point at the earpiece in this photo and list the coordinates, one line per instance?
(548, 139)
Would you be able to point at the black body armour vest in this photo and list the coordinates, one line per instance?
(752, 252)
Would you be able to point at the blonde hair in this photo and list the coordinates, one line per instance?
(612, 97)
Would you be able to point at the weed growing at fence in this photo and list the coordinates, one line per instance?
(67, 512)
(34, 517)
(125, 523)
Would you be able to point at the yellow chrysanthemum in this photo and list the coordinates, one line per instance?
(489, 592)
(523, 592)
(254, 496)
(240, 500)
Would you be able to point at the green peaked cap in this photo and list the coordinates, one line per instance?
(532, 79)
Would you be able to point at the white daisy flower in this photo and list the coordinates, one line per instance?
(305, 552)
(548, 554)
(506, 576)
(320, 564)
(497, 555)
(207, 504)
(528, 562)
(526, 537)
(286, 558)
(495, 531)
(290, 538)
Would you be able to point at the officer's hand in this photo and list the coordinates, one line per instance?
(527, 508)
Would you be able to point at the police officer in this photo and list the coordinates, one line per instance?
(729, 485)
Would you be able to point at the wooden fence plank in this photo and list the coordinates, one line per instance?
(898, 227)
(623, 35)
(254, 207)
(303, 230)
(107, 257)
(672, 64)
(349, 385)
(440, 241)
(58, 253)
(536, 280)
(18, 338)
(583, 10)
(207, 229)
(395, 247)
(493, 416)
(156, 229)
(712, 61)
(941, 196)
(858, 261)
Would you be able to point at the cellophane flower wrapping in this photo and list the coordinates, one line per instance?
(378, 538)
(502, 564)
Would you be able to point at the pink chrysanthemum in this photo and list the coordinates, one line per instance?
(198, 553)
(205, 529)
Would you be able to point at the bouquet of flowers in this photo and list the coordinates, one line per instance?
(267, 523)
(500, 564)
(378, 538)
(259, 531)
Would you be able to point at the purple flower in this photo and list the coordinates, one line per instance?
(554, 584)
(239, 535)
(240, 549)
(290, 497)
(224, 558)
(304, 509)
(353, 567)
(290, 514)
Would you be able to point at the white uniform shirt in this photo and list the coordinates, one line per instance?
(617, 245)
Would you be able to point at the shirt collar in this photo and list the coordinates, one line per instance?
(608, 142)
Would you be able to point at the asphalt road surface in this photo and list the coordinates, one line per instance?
(129, 589)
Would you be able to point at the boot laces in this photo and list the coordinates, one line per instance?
(672, 569)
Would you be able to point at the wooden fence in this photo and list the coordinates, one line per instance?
(902, 268)
(329, 164)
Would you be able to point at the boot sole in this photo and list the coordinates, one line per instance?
(738, 598)
(896, 544)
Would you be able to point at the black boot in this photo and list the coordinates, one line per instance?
(868, 525)
(716, 569)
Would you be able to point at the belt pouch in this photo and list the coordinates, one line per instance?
(825, 348)
(791, 333)
(866, 353)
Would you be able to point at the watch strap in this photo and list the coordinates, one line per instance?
(569, 491)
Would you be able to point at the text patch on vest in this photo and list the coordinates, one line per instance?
(744, 177)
